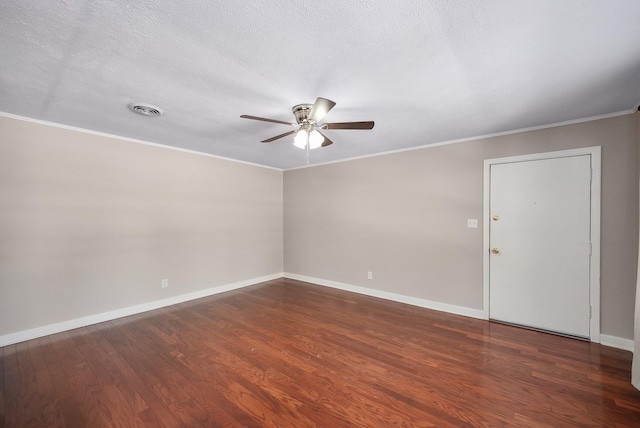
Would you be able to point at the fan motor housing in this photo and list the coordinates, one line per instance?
(301, 112)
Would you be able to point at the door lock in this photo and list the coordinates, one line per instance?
(495, 251)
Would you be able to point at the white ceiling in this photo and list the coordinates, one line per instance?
(424, 71)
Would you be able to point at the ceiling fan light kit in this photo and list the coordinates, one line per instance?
(303, 137)
(308, 135)
(315, 139)
(300, 140)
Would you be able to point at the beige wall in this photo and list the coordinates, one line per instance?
(404, 217)
(90, 224)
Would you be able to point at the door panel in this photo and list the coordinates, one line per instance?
(540, 275)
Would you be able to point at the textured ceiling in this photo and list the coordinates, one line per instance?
(424, 71)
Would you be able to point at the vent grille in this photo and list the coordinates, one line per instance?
(146, 109)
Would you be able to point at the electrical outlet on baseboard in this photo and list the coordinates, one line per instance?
(165, 283)
(369, 275)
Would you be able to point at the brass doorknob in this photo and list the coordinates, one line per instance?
(495, 251)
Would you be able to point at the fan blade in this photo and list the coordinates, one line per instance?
(326, 142)
(245, 116)
(268, 140)
(320, 108)
(348, 125)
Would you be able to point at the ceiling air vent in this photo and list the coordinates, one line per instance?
(145, 109)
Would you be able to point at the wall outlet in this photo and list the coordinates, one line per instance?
(472, 223)
(165, 283)
(369, 275)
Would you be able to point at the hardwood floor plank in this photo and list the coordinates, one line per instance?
(194, 361)
(116, 406)
(14, 413)
(39, 404)
(258, 345)
(139, 370)
(84, 387)
(346, 343)
(185, 392)
(63, 392)
(287, 353)
(109, 372)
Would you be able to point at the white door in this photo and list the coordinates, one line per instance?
(540, 244)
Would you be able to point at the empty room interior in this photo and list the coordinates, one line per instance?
(328, 214)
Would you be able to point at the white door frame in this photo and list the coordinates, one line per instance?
(594, 274)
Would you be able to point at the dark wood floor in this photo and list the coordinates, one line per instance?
(291, 354)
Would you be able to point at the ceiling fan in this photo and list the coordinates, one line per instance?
(308, 134)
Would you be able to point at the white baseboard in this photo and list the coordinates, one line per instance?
(21, 336)
(616, 342)
(443, 307)
(612, 341)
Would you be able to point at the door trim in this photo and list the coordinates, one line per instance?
(594, 274)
